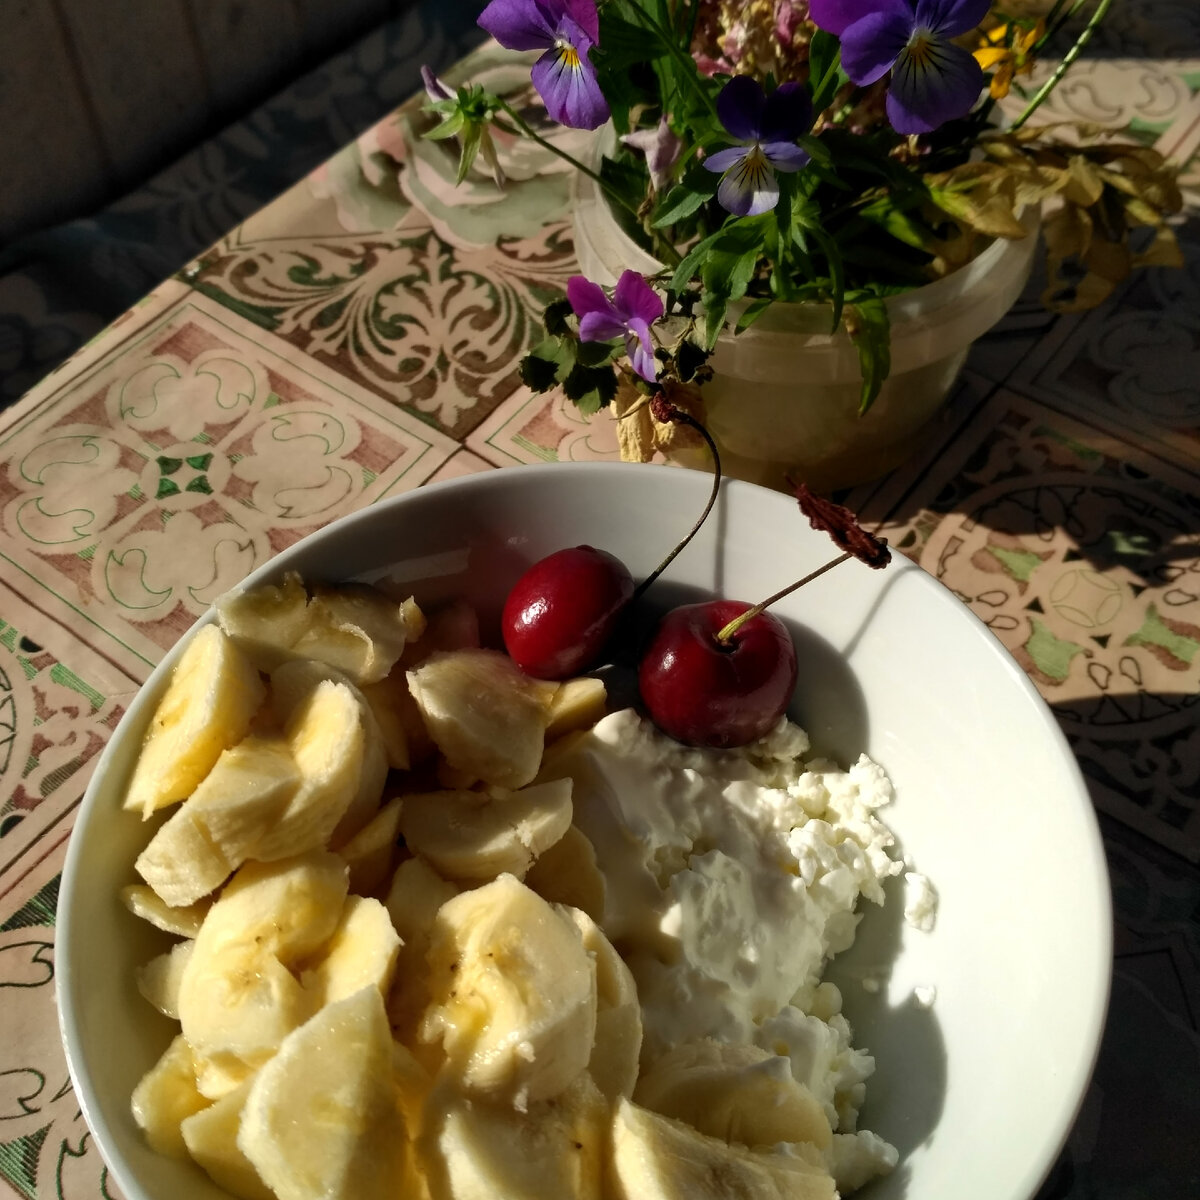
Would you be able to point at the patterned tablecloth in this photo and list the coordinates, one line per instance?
(360, 337)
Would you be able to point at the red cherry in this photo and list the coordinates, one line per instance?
(704, 692)
(561, 611)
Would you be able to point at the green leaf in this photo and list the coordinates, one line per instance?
(869, 330)
(597, 354)
(448, 128)
(753, 311)
(689, 358)
(545, 365)
(470, 148)
(714, 317)
(555, 317)
(824, 68)
(697, 187)
(590, 388)
(817, 150)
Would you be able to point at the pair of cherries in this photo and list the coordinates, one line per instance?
(700, 685)
(717, 674)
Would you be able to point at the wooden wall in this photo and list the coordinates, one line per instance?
(97, 94)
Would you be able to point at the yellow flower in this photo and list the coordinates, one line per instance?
(1008, 52)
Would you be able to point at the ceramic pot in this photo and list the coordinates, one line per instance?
(785, 393)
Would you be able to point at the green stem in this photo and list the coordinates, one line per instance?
(686, 419)
(1067, 59)
(729, 630)
(662, 247)
(683, 57)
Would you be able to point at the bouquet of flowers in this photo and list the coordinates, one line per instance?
(829, 151)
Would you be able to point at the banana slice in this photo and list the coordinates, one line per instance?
(358, 630)
(144, 902)
(513, 993)
(566, 873)
(323, 1117)
(328, 741)
(237, 997)
(353, 627)
(213, 694)
(361, 952)
(486, 717)
(220, 1074)
(476, 1149)
(416, 893)
(474, 836)
(292, 688)
(370, 852)
(266, 621)
(165, 1096)
(657, 1158)
(577, 704)
(160, 979)
(738, 1093)
(222, 823)
(211, 1139)
(615, 1052)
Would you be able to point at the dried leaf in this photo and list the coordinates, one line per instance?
(635, 427)
(669, 435)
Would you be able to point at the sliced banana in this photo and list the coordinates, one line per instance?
(211, 1139)
(486, 717)
(328, 741)
(209, 703)
(476, 1149)
(658, 1158)
(617, 1048)
(737, 1093)
(361, 952)
(567, 873)
(266, 621)
(161, 978)
(513, 993)
(144, 902)
(165, 1096)
(323, 1117)
(292, 689)
(237, 997)
(223, 823)
(354, 628)
(371, 851)
(476, 836)
(577, 704)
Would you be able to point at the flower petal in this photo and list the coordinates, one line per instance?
(584, 296)
(952, 18)
(583, 13)
(740, 107)
(787, 114)
(785, 156)
(749, 187)
(566, 81)
(836, 16)
(931, 86)
(872, 45)
(724, 159)
(601, 327)
(640, 348)
(635, 299)
(518, 24)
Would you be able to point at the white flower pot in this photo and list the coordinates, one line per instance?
(785, 394)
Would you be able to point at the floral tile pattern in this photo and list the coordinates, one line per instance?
(1084, 559)
(144, 487)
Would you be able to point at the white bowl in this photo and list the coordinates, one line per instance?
(978, 1091)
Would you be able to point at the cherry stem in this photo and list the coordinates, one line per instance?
(682, 418)
(726, 634)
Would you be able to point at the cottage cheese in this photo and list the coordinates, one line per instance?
(732, 877)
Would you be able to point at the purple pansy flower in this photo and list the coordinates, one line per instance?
(564, 75)
(933, 80)
(767, 128)
(634, 307)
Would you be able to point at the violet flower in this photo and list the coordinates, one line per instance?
(661, 148)
(634, 307)
(933, 80)
(564, 76)
(767, 128)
